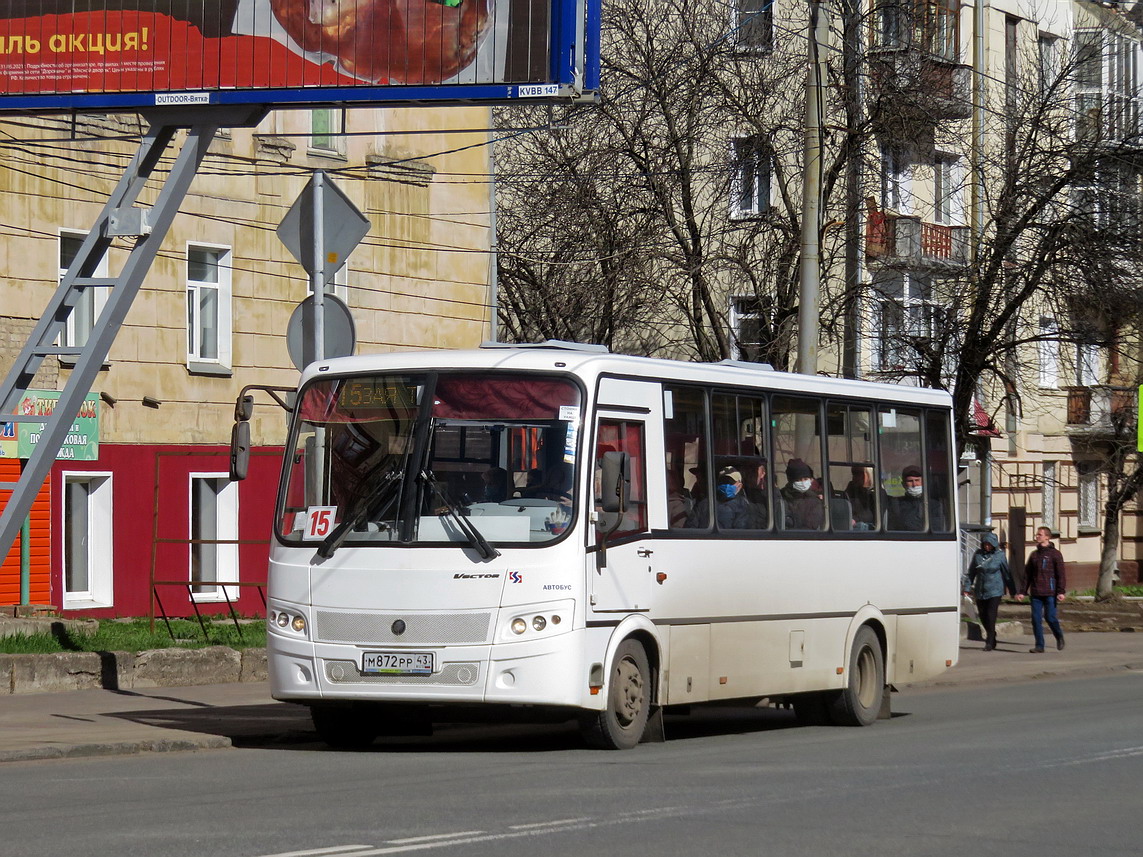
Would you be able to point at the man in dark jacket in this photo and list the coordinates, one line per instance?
(804, 507)
(1044, 580)
(907, 513)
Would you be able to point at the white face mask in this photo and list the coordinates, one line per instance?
(914, 490)
(802, 485)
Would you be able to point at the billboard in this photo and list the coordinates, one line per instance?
(133, 54)
(18, 440)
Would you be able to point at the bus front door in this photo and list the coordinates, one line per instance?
(622, 570)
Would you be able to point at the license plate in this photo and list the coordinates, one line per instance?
(397, 663)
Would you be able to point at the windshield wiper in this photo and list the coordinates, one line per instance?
(474, 536)
(368, 498)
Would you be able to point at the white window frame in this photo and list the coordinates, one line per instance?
(100, 590)
(327, 140)
(220, 364)
(750, 178)
(740, 314)
(1087, 503)
(948, 189)
(1048, 349)
(91, 301)
(1048, 59)
(338, 284)
(896, 180)
(1087, 364)
(1049, 507)
(226, 529)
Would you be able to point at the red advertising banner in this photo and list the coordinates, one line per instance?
(79, 52)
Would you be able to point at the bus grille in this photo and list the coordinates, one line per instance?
(426, 629)
(454, 675)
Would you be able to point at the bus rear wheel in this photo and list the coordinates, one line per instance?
(621, 723)
(859, 702)
(344, 727)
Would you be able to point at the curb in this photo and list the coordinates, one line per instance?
(49, 673)
(116, 748)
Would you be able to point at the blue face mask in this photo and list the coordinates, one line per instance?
(728, 491)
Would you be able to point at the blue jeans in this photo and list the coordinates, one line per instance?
(1045, 606)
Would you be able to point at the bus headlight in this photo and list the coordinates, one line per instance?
(539, 623)
(299, 624)
(283, 620)
(519, 626)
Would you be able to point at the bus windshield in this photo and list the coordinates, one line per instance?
(431, 458)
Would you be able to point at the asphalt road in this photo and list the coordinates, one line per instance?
(1042, 768)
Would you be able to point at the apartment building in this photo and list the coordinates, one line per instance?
(141, 514)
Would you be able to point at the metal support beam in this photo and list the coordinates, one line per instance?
(153, 223)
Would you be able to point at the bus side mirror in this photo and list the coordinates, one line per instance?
(615, 482)
(243, 408)
(239, 451)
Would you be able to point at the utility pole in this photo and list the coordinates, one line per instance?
(809, 284)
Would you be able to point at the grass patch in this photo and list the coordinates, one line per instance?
(1133, 591)
(135, 635)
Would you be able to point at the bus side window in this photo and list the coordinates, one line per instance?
(849, 442)
(938, 453)
(797, 451)
(684, 431)
(622, 436)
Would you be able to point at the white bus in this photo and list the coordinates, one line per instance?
(562, 531)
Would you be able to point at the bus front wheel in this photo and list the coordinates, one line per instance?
(621, 723)
(859, 702)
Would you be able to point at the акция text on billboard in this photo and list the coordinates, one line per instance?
(68, 54)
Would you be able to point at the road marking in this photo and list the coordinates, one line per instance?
(313, 852)
(433, 837)
(540, 824)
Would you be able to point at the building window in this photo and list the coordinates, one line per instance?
(947, 190)
(87, 543)
(208, 309)
(906, 321)
(213, 520)
(754, 24)
(1049, 488)
(81, 321)
(1049, 353)
(1088, 479)
(338, 284)
(1049, 60)
(895, 178)
(932, 27)
(1087, 364)
(1088, 85)
(750, 177)
(327, 130)
(747, 324)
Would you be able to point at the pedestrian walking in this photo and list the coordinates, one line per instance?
(988, 578)
(1045, 583)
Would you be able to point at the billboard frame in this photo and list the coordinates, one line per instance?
(572, 76)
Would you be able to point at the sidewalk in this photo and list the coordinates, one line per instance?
(116, 722)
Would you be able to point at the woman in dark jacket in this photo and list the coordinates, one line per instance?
(987, 578)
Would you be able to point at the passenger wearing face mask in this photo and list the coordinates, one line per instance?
(732, 509)
(908, 512)
(804, 507)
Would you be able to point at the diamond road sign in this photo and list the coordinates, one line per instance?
(343, 227)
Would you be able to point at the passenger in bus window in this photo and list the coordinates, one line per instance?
(495, 484)
(732, 510)
(758, 494)
(534, 484)
(908, 512)
(804, 507)
(679, 502)
(859, 492)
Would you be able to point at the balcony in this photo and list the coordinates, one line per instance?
(905, 241)
(1102, 412)
(918, 88)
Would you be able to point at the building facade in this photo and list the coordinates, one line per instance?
(146, 517)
